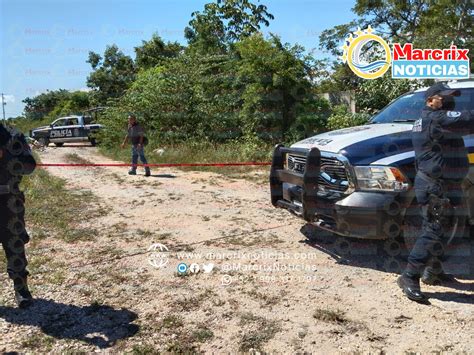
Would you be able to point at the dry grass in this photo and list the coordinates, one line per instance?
(330, 316)
(256, 331)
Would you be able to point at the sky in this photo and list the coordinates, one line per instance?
(45, 43)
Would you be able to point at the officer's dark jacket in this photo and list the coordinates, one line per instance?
(439, 147)
(16, 159)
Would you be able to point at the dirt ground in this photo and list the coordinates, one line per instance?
(271, 289)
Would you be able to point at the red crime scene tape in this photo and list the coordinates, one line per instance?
(46, 165)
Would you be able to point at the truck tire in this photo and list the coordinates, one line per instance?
(58, 144)
(43, 141)
(93, 141)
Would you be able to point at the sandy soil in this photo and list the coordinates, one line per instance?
(271, 288)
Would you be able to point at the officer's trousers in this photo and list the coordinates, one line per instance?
(430, 246)
(13, 237)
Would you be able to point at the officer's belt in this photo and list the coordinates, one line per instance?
(4, 189)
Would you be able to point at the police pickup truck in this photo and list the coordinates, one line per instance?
(70, 129)
(357, 182)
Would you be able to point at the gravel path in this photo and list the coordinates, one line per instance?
(269, 288)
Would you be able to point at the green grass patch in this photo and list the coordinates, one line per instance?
(172, 321)
(24, 125)
(201, 152)
(52, 210)
(202, 334)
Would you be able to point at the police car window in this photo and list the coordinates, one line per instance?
(405, 108)
(465, 101)
(87, 119)
(59, 123)
(73, 121)
(409, 106)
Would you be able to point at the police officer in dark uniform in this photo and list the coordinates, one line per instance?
(442, 164)
(15, 161)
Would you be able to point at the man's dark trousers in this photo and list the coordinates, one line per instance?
(429, 248)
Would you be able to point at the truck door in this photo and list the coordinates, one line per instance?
(77, 129)
(60, 130)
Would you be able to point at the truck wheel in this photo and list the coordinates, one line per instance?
(93, 142)
(58, 144)
(43, 141)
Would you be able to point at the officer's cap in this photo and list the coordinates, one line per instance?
(440, 89)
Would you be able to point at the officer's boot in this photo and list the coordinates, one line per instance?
(435, 275)
(23, 296)
(410, 284)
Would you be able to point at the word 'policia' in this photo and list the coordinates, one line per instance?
(407, 52)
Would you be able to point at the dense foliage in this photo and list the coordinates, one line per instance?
(52, 104)
(230, 84)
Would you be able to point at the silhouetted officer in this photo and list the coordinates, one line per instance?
(15, 161)
(442, 164)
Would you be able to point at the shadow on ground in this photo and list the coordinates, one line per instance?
(98, 325)
(164, 176)
(387, 256)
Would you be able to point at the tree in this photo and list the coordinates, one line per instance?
(75, 103)
(38, 107)
(426, 24)
(153, 52)
(338, 78)
(206, 32)
(447, 22)
(225, 22)
(373, 95)
(111, 75)
(191, 96)
(276, 82)
(56, 103)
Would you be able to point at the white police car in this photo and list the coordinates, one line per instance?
(70, 129)
(356, 182)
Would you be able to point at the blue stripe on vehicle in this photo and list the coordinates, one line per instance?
(370, 150)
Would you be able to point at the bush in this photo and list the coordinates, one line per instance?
(373, 95)
(342, 118)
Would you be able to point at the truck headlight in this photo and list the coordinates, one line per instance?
(383, 178)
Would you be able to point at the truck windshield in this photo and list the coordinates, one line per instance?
(407, 108)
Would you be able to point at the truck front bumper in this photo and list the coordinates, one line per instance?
(368, 215)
